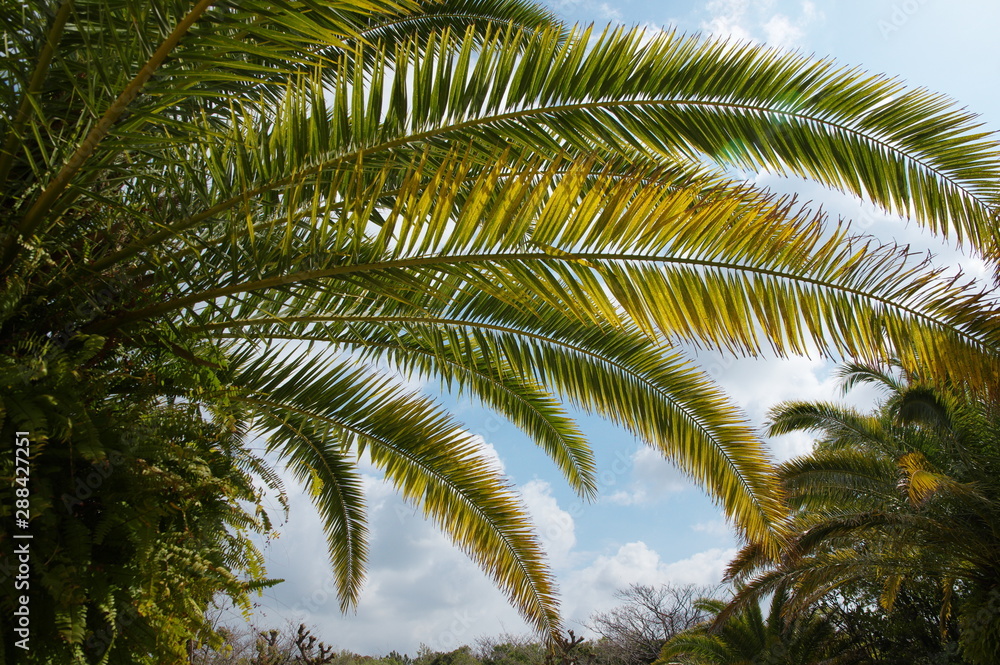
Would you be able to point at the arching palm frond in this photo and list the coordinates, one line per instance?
(344, 413)
(750, 637)
(473, 192)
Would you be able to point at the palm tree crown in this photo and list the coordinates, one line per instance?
(748, 637)
(288, 196)
(904, 499)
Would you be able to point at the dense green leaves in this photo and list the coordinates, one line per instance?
(141, 509)
(904, 500)
(750, 637)
(263, 205)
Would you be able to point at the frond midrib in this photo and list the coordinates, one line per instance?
(525, 113)
(666, 396)
(467, 501)
(246, 287)
(577, 470)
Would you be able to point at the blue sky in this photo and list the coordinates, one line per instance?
(650, 525)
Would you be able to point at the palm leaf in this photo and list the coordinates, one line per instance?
(345, 410)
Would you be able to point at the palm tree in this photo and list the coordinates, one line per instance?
(904, 499)
(294, 199)
(747, 638)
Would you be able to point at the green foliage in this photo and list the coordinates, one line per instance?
(909, 633)
(518, 652)
(900, 503)
(245, 217)
(395, 658)
(460, 656)
(748, 637)
(141, 509)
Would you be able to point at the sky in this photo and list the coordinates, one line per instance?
(650, 525)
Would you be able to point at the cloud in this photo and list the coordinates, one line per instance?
(727, 19)
(608, 12)
(759, 22)
(706, 567)
(779, 30)
(429, 592)
(714, 528)
(756, 385)
(787, 446)
(418, 583)
(652, 478)
(592, 589)
(489, 452)
(555, 527)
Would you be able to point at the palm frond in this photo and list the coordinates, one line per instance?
(332, 409)
(733, 275)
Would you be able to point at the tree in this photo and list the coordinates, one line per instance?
(747, 637)
(284, 197)
(898, 506)
(508, 649)
(270, 647)
(909, 633)
(634, 632)
(141, 511)
(461, 656)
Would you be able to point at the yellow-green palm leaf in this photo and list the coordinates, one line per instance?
(470, 191)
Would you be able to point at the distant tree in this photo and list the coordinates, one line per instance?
(634, 632)
(461, 656)
(509, 649)
(251, 646)
(569, 649)
(310, 650)
(395, 658)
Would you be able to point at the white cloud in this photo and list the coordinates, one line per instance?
(652, 478)
(779, 30)
(728, 19)
(656, 474)
(706, 567)
(489, 452)
(608, 12)
(714, 527)
(429, 592)
(418, 583)
(758, 385)
(593, 588)
(811, 12)
(794, 444)
(556, 528)
(745, 20)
